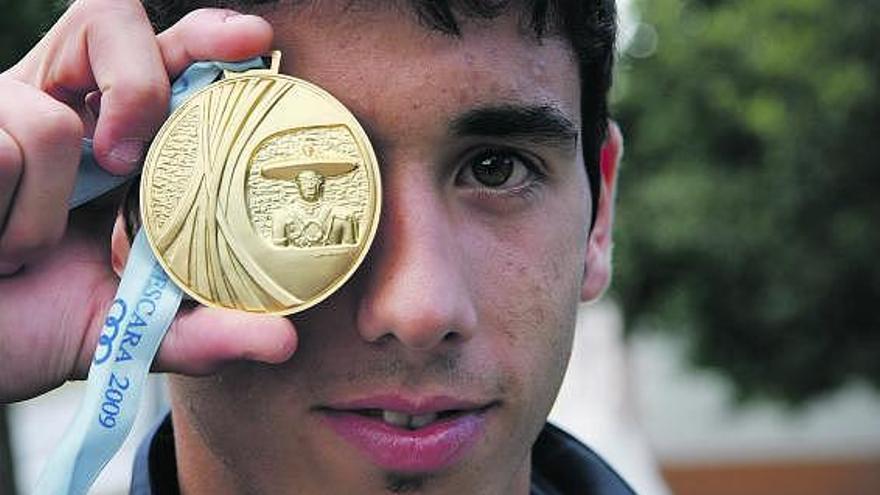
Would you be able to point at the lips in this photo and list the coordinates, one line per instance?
(409, 436)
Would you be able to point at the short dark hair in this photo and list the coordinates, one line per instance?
(589, 25)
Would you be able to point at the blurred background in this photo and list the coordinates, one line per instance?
(738, 351)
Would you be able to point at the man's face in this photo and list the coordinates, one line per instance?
(459, 323)
(309, 184)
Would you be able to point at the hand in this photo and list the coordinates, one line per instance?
(102, 72)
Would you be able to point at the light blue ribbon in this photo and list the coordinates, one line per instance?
(145, 305)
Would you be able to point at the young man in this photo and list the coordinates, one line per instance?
(434, 368)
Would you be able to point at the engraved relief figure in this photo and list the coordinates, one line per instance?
(312, 221)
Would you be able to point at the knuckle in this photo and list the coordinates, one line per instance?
(148, 94)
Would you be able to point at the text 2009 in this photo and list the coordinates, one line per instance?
(112, 405)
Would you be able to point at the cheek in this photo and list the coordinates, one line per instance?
(526, 278)
(247, 417)
(250, 400)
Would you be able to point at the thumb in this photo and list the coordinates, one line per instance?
(202, 339)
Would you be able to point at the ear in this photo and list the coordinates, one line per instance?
(597, 271)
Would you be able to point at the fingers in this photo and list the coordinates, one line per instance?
(106, 49)
(102, 55)
(130, 74)
(109, 46)
(213, 34)
(203, 339)
(134, 83)
(39, 153)
(105, 45)
(133, 76)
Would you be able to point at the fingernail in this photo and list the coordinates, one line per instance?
(128, 152)
(237, 17)
(231, 16)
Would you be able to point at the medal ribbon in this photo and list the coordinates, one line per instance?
(145, 305)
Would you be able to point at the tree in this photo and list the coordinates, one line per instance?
(22, 24)
(748, 208)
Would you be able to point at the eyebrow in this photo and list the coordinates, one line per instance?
(544, 124)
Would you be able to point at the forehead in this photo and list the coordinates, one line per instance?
(379, 59)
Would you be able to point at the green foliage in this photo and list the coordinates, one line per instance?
(22, 24)
(748, 210)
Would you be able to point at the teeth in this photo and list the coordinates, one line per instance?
(404, 420)
(395, 418)
(422, 420)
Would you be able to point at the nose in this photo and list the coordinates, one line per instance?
(416, 289)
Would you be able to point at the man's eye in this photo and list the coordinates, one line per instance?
(496, 169)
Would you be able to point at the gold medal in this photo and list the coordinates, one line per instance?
(261, 193)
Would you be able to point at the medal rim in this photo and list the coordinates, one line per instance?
(345, 276)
